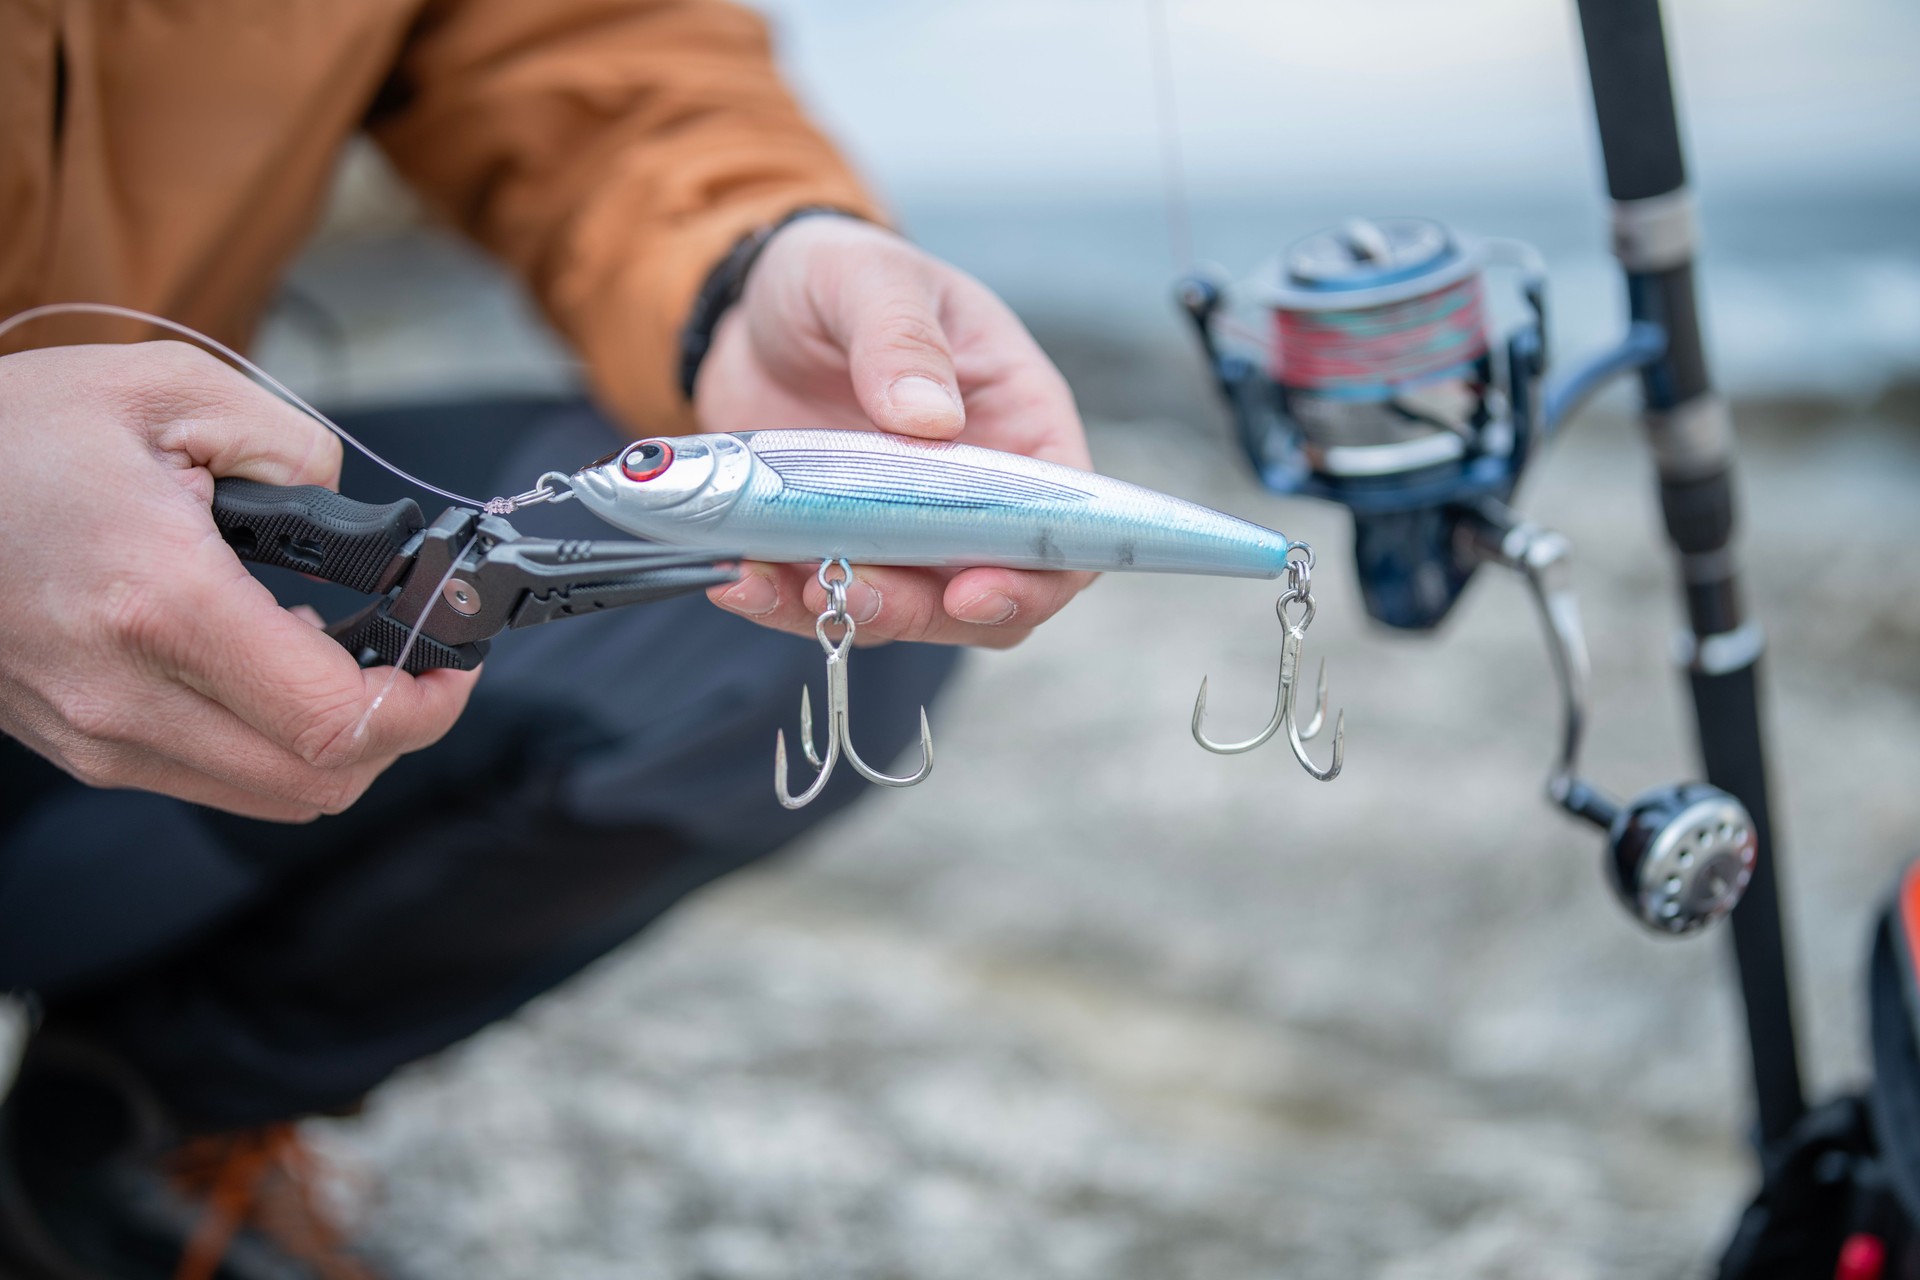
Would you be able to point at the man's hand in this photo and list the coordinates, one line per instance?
(845, 325)
(135, 649)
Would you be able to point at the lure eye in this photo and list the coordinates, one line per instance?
(646, 460)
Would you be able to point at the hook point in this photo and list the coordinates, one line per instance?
(1332, 771)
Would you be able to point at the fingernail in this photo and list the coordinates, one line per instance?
(753, 595)
(989, 609)
(920, 395)
(863, 601)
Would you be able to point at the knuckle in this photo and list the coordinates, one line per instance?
(94, 761)
(168, 379)
(915, 616)
(95, 722)
(290, 791)
(326, 453)
(336, 793)
(326, 738)
(136, 617)
(313, 793)
(909, 327)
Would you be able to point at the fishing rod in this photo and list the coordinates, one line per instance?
(1690, 432)
(1839, 1192)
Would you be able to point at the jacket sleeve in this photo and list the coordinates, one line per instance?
(610, 151)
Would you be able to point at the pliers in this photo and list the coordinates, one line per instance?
(501, 579)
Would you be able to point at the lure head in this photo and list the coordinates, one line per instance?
(662, 485)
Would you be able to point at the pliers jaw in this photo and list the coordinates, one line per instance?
(461, 580)
(503, 580)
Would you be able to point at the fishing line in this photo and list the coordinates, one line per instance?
(492, 506)
(1173, 169)
(413, 634)
(1227, 326)
(1365, 354)
(1372, 352)
(1173, 172)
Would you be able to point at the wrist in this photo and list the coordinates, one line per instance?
(724, 285)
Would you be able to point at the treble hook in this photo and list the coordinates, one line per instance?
(839, 741)
(1285, 708)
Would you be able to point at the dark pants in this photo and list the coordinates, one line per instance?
(606, 767)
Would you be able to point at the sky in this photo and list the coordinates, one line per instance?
(961, 97)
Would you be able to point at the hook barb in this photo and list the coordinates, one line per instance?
(806, 729)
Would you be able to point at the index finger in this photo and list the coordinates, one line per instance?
(971, 606)
(211, 416)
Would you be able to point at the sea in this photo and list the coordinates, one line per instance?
(1806, 293)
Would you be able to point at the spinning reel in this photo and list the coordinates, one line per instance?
(1385, 393)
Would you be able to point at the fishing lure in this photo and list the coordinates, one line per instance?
(837, 496)
(808, 496)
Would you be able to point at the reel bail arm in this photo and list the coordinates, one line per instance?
(1678, 856)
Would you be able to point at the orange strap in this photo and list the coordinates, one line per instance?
(227, 1203)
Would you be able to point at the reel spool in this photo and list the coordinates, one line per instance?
(1385, 392)
(1380, 355)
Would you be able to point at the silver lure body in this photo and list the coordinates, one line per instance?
(806, 496)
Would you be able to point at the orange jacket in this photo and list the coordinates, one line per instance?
(172, 155)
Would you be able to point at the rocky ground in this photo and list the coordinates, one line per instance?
(1093, 1003)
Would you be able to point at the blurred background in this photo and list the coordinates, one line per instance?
(1093, 1003)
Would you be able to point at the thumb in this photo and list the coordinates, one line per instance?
(899, 356)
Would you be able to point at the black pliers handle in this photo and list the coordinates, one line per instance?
(502, 579)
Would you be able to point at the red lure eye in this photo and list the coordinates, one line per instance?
(646, 460)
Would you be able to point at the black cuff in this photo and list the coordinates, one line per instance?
(723, 287)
